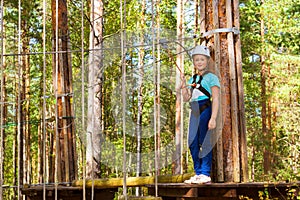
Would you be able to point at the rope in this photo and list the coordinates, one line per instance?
(158, 91)
(93, 101)
(44, 99)
(19, 103)
(123, 53)
(56, 106)
(155, 92)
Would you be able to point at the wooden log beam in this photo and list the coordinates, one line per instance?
(219, 146)
(231, 152)
(240, 85)
(233, 96)
(131, 181)
(139, 198)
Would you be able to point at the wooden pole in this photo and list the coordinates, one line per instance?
(241, 106)
(62, 80)
(233, 91)
(202, 16)
(231, 156)
(63, 113)
(225, 96)
(219, 147)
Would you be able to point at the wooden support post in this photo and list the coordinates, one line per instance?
(202, 16)
(241, 106)
(65, 165)
(219, 147)
(231, 155)
(233, 93)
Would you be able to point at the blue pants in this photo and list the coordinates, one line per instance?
(199, 139)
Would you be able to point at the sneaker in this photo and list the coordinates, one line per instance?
(192, 179)
(201, 179)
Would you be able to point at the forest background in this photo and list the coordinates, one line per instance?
(270, 37)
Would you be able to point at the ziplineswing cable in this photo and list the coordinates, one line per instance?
(123, 60)
(56, 99)
(93, 100)
(44, 100)
(155, 93)
(19, 103)
(158, 89)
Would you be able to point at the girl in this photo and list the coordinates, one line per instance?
(202, 91)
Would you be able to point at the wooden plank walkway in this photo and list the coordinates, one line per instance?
(177, 191)
(68, 193)
(215, 191)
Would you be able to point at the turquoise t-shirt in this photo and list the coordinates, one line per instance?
(209, 80)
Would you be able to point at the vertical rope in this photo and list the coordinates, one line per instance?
(93, 102)
(82, 96)
(20, 155)
(181, 67)
(2, 104)
(158, 85)
(123, 53)
(56, 98)
(44, 99)
(155, 94)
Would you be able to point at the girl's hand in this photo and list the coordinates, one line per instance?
(183, 81)
(182, 77)
(211, 124)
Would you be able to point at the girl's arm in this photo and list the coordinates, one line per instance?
(186, 92)
(215, 107)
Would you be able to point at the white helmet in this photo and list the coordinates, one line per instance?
(202, 50)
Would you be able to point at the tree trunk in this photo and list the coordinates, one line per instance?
(218, 153)
(240, 91)
(25, 118)
(196, 12)
(179, 105)
(94, 123)
(266, 150)
(62, 79)
(3, 108)
(41, 139)
(225, 47)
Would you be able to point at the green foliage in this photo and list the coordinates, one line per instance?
(280, 48)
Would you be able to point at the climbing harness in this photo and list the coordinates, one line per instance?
(198, 85)
(194, 104)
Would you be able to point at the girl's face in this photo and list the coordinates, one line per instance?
(200, 62)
